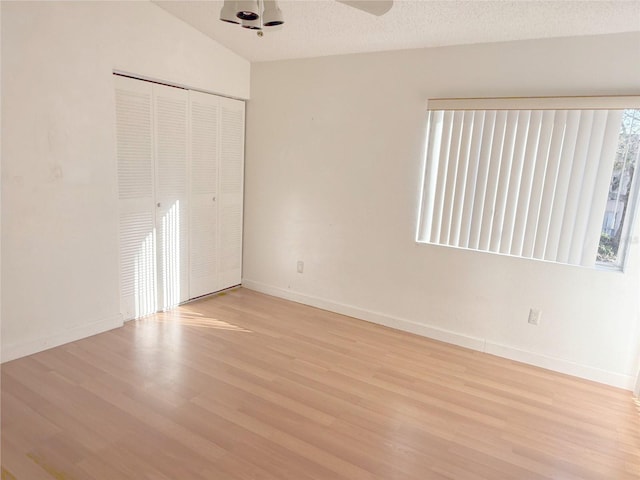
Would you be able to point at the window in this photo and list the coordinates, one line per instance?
(543, 178)
(615, 230)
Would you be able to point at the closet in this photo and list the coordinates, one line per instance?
(180, 164)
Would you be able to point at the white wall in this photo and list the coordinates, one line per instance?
(335, 147)
(59, 205)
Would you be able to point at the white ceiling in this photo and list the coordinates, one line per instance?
(325, 27)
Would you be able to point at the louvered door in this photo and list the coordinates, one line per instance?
(171, 133)
(203, 225)
(231, 190)
(180, 184)
(135, 168)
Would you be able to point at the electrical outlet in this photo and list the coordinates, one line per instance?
(300, 266)
(534, 316)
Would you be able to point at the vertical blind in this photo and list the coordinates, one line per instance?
(520, 177)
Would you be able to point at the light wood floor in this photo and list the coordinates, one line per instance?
(245, 386)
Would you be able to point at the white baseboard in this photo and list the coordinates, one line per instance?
(18, 350)
(562, 366)
(551, 363)
(374, 317)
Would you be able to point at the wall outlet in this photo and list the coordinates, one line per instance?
(300, 266)
(534, 316)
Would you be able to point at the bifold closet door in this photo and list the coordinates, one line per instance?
(204, 197)
(136, 207)
(172, 218)
(152, 129)
(216, 199)
(232, 115)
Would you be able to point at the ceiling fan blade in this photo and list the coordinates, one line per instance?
(375, 7)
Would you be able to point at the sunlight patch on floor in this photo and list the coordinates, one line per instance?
(190, 320)
(6, 475)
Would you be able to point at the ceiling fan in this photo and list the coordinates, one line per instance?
(257, 14)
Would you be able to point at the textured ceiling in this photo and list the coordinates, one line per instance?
(325, 27)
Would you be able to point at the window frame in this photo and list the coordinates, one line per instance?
(583, 103)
